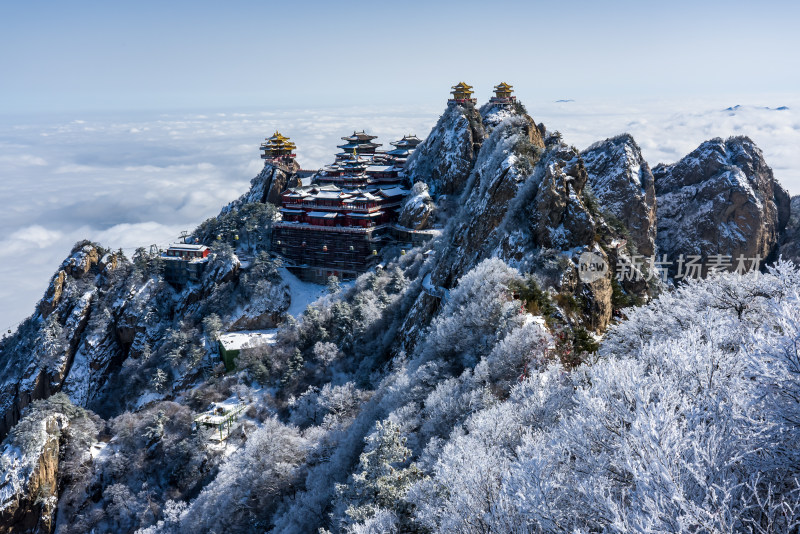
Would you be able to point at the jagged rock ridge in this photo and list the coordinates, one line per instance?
(720, 199)
(623, 184)
(268, 185)
(445, 159)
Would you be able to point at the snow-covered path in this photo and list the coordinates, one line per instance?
(303, 293)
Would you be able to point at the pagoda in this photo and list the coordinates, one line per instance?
(359, 143)
(278, 147)
(462, 94)
(346, 171)
(502, 94)
(403, 149)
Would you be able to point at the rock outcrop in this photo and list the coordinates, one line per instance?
(53, 293)
(551, 223)
(494, 114)
(789, 246)
(623, 185)
(560, 216)
(444, 160)
(265, 310)
(505, 162)
(36, 360)
(418, 210)
(82, 261)
(29, 465)
(523, 202)
(722, 199)
(268, 185)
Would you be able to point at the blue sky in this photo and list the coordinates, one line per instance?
(81, 56)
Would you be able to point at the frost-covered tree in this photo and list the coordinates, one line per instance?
(329, 406)
(293, 369)
(382, 477)
(480, 311)
(159, 380)
(524, 350)
(50, 342)
(212, 325)
(687, 423)
(326, 353)
(243, 495)
(333, 285)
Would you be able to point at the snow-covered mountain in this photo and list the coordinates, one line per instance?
(720, 199)
(623, 184)
(478, 383)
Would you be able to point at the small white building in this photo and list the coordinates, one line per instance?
(220, 417)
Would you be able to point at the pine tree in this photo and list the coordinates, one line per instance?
(333, 285)
(381, 481)
(293, 369)
(159, 380)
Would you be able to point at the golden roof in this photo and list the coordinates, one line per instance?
(277, 136)
(278, 143)
(503, 87)
(462, 86)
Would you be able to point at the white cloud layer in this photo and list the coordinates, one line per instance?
(133, 181)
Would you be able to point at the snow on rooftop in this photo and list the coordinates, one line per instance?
(395, 191)
(322, 214)
(187, 247)
(248, 338)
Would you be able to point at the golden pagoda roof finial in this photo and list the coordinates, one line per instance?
(462, 90)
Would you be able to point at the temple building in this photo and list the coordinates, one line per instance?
(366, 166)
(328, 231)
(345, 172)
(462, 94)
(402, 149)
(278, 148)
(359, 143)
(337, 225)
(502, 94)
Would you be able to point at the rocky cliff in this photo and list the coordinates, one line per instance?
(38, 358)
(268, 185)
(789, 246)
(444, 160)
(523, 201)
(621, 181)
(720, 199)
(29, 463)
(418, 210)
(102, 310)
(29, 491)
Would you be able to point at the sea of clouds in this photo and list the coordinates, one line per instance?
(134, 180)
